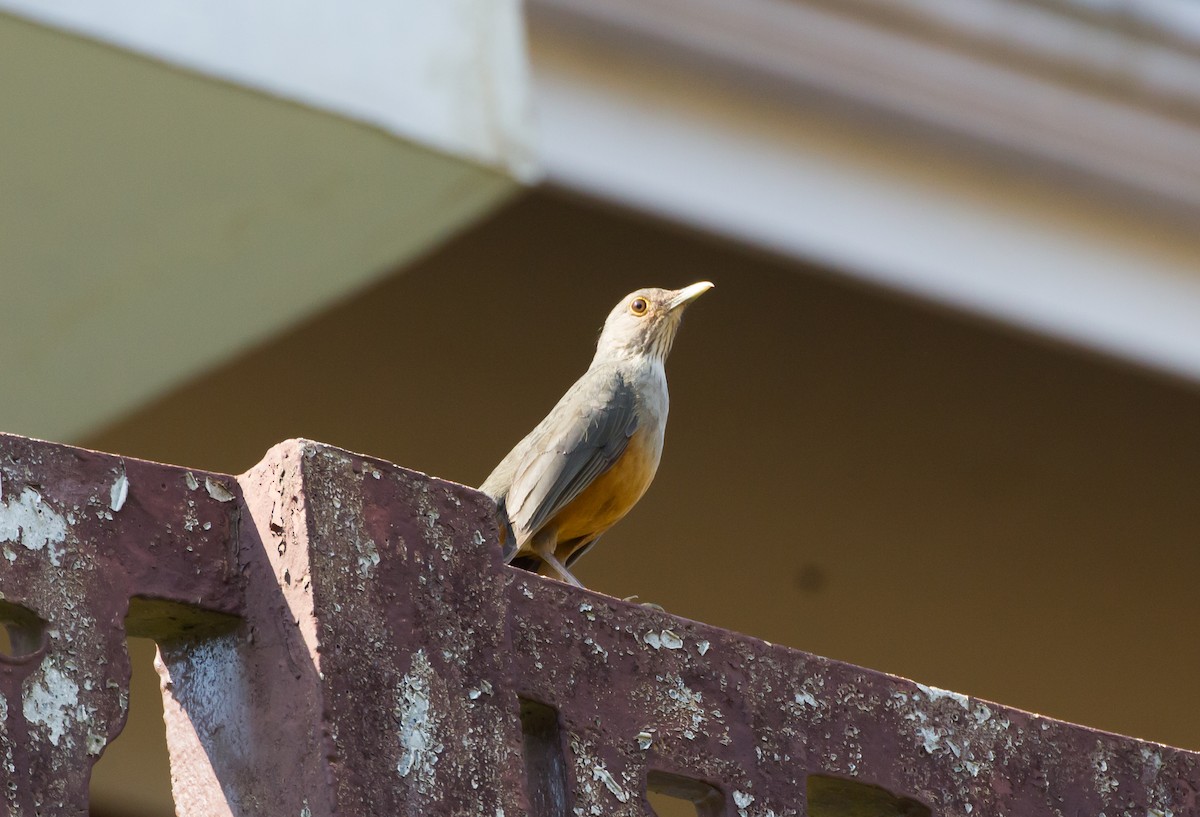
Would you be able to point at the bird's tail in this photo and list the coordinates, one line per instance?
(508, 538)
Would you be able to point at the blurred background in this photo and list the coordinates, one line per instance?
(939, 417)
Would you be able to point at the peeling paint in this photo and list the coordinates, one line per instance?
(937, 694)
(484, 688)
(595, 645)
(418, 725)
(1106, 782)
(118, 493)
(9, 764)
(7, 760)
(593, 799)
(32, 523)
(217, 490)
(666, 639)
(368, 557)
(805, 698)
(191, 519)
(682, 706)
(603, 775)
(52, 702)
(742, 801)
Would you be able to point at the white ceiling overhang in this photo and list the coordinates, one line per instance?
(154, 222)
(1037, 161)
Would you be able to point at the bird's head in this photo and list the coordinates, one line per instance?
(645, 322)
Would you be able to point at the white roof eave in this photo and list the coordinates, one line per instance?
(1015, 158)
(155, 223)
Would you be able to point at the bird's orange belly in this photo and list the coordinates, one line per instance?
(610, 496)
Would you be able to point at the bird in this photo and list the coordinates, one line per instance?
(591, 459)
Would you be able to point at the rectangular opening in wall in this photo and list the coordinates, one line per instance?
(545, 761)
(672, 795)
(133, 776)
(837, 797)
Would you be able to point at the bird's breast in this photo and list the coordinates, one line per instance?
(613, 493)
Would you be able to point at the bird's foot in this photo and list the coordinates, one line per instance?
(633, 600)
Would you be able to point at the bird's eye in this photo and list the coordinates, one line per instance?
(639, 306)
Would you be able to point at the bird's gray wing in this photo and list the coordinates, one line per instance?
(581, 438)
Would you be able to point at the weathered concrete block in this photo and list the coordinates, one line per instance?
(92, 548)
(369, 676)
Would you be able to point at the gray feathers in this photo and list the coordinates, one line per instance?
(585, 433)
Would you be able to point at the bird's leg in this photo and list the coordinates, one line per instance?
(562, 571)
(544, 544)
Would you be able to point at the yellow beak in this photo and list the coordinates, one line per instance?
(685, 296)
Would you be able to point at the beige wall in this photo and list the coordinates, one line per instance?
(846, 472)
